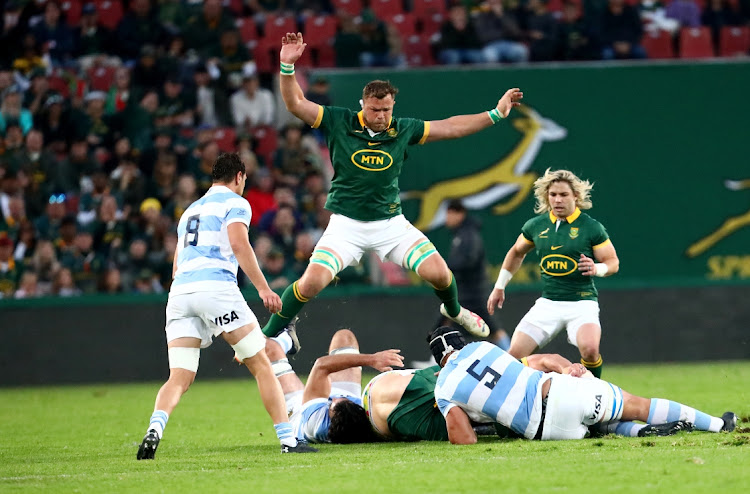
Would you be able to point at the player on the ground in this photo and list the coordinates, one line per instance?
(328, 407)
(205, 301)
(573, 248)
(368, 150)
(481, 383)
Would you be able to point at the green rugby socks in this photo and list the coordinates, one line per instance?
(292, 302)
(449, 297)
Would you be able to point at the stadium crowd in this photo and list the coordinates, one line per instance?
(112, 114)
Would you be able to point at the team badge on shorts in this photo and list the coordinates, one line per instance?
(573, 232)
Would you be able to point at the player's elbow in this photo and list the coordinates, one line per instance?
(613, 266)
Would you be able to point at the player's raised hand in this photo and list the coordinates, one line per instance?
(271, 300)
(292, 47)
(511, 98)
(387, 359)
(497, 297)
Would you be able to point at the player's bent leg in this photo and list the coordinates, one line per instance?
(344, 342)
(588, 339)
(522, 345)
(658, 411)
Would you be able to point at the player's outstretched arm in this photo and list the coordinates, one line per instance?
(459, 427)
(552, 362)
(292, 47)
(463, 125)
(513, 260)
(243, 251)
(319, 383)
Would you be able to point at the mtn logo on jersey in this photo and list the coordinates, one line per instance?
(226, 318)
(558, 265)
(372, 160)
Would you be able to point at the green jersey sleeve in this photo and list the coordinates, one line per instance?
(599, 234)
(418, 129)
(330, 116)
(528, 230)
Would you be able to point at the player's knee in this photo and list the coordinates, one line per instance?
(344, 338)
(589, 352)
(313, 282)
(274, 350)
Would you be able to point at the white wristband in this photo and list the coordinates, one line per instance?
(503, 278)
(601, 269)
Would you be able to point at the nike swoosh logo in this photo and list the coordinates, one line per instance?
(374, 143)
(555, 247)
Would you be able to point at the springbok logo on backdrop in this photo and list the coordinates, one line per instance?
(727, 228)
(508, 177)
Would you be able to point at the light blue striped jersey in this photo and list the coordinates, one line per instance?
(312, 420)
(492, 386)
(205, 260)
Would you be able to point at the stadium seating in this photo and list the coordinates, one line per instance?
(276, 27)
(385, 9)
(225, 138)
(424, 8)
(110, 13)
(658, 44)
(695, 42)
(320, 30)
(734, 41)
(353, 7)
(405, 24)
(418, 51)
(266, 140)
(72, 11)
(247, 28)
(431, 23)
(101, 78)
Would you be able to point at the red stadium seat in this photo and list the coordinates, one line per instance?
(658, 44)
(277, 26)
(110, 13)
(101, 78)
(225, 138)
(734, 41)
(325, 56)
(248, 30)
(235, 6)
(418, 51)
(405, 24)
(385, 9)
(72, 11)
(353, 7)
(266, 142)
(320, 30)
(424, 8)
(695, 42)
(59, 84)
(263, 57)
(431, 23)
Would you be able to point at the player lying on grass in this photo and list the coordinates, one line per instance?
(479, 382)
(328, 407)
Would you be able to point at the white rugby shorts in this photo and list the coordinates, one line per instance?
(207, 314)
(574, 403)
(389, 238)
(548, 317)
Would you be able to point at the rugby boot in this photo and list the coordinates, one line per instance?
(668, 429)
(730, 421)
(471, 322)
(147, 449)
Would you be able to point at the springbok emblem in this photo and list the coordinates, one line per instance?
(509, 176)
(730, 225)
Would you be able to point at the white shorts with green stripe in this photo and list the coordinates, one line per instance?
(345, 241)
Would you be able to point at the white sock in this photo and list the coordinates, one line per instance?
(158, 422)
(284, 341)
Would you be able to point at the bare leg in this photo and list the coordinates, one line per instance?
(522, 345)
(345, 339)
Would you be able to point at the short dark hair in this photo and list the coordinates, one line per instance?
(349, 424)
(227, 166)
(379, 89)
(456, 205)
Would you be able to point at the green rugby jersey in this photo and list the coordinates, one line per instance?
(560, 249)
(366, 169)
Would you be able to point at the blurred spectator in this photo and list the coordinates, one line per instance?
(185, 194)
(11, 223)
(380, 49)
(132, 262)
(11, 110)
(719, 14)
(54, 35)
(212, 103)
(147, 74)
(92, 124)
(48, 224)
(13, 25)
(147, 282)
(54, 122)
(13, 137)
(88, 202)
(201, 168)
(83, 261)
(29, 56)
(283, 230)
(654, 17)
(500, 34)
(176, 104)
(9, 270)
(204, 29)
(43, 171)
(230, 54)
(137, 29)
(304, 245)
(138, 120)
(63, 284)
(260, 195)
(37, 93)
(10, 187)
(25, 245)
(164, 259)
(322, 216)
(172, 15)
(92, 41)
(128, 183)
(163, 184)
(294, 157)
(79, 166)
(119, 92)
(621, 32)
(686, 12)
(543, 32)
(459, 41)
(318, 91)
(251, 105)
(149, 223)
(65, 242)
(111, 232)
(28, 287)
(348, 43)
(111, 282)
(282, 196)
(44, 264)
(313, 185)
(276, 270)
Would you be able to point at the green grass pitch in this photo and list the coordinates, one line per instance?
(84, 439)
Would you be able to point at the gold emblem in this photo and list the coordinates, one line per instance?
(544, 233)
(555, 247)
(373, 143)
(392, 133)
(573, 232)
